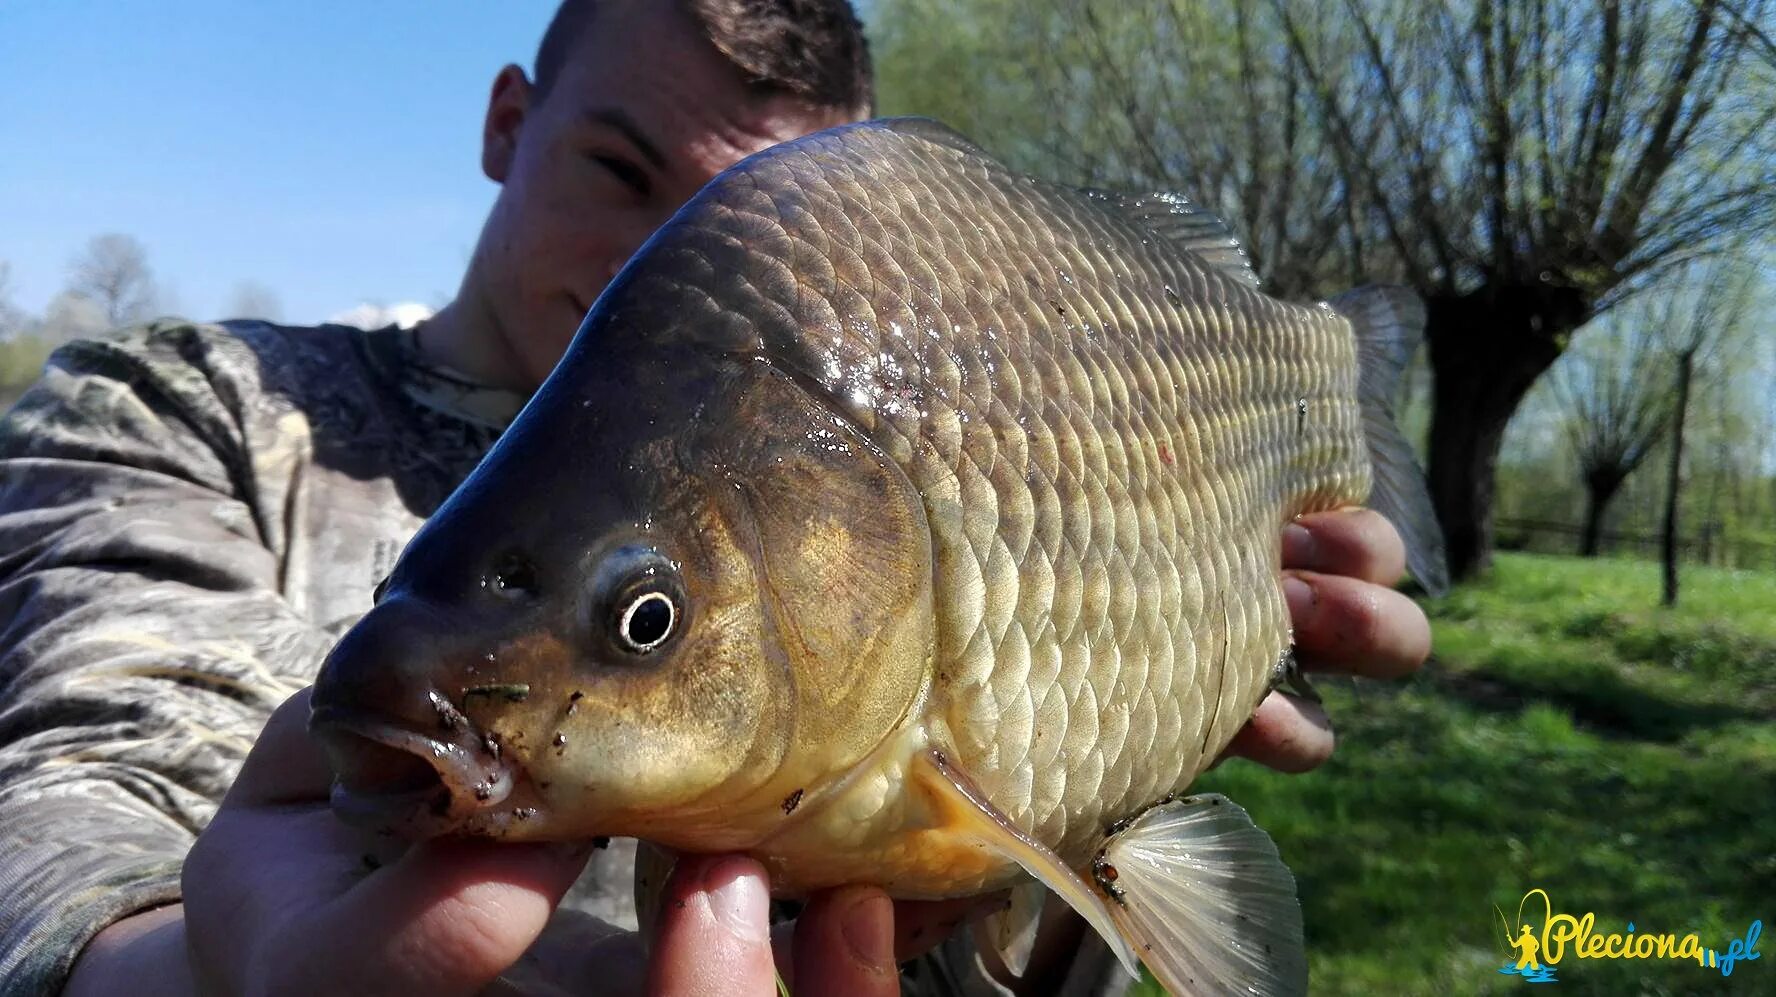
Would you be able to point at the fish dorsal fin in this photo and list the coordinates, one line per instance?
(1187, 225)
(931, 130)
(1205, 896)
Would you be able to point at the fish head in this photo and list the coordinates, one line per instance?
(679, 597)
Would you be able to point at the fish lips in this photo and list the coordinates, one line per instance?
(390, 777)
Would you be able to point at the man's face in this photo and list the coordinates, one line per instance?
(643, 114)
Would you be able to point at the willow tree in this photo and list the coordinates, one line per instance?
(1539, 161)
(1614, 402)
(1721, 298)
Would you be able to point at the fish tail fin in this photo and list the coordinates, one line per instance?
(1389, 324)
(1201, 893)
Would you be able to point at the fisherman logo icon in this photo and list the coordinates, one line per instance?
(1537, 948)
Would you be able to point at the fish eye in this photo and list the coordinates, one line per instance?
(646, 622)
(638, 600)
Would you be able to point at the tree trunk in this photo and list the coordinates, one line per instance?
(1598, 494)
(1487, 349)
(1674, 475)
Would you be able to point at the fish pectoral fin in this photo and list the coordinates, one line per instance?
(1206, 899)
(1011, 933)
(964, 810)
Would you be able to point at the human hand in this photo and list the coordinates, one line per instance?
(282, 897)
(1338, 569)
(714, 937)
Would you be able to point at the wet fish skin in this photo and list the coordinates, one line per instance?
(1105, 433)
(939, 456)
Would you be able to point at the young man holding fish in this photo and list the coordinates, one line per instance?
(190, 516)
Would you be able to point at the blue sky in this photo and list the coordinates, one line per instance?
(326, 149)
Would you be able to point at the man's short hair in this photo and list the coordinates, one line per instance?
(812, 49)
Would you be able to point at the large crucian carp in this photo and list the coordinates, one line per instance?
(896, 518)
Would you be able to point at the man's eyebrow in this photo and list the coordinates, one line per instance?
(617, 118)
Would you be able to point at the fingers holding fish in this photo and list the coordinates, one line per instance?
(277, 888)
(1287, 733)
(714, 931)
(1349, 625)
(843, 937)
(1355, 542)
(710, 940)
(448, 917)
(844, 943)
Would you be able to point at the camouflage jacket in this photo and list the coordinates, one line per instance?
(189, 517)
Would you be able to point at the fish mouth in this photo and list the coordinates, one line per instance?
(388, 776)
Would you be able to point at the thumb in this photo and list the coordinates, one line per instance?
(446, 917)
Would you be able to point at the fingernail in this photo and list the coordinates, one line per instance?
(868, 927)
(1299, 595)
(1299, 546)
(738, 898)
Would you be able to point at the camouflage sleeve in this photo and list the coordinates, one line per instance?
(143, 637)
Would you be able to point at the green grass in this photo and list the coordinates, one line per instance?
(1568, 735)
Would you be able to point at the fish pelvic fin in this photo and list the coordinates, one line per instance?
(962, 808)
(1389, 324)
(1205, 898)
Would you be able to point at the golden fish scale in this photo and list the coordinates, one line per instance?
(1105, 433)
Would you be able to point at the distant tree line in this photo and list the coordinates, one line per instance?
(1660, 422)
(110, 284)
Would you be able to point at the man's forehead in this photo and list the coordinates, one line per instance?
(644, 69)
(776, 119)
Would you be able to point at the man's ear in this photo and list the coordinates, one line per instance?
(506, 108)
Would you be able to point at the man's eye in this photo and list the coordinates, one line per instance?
(627, 173)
